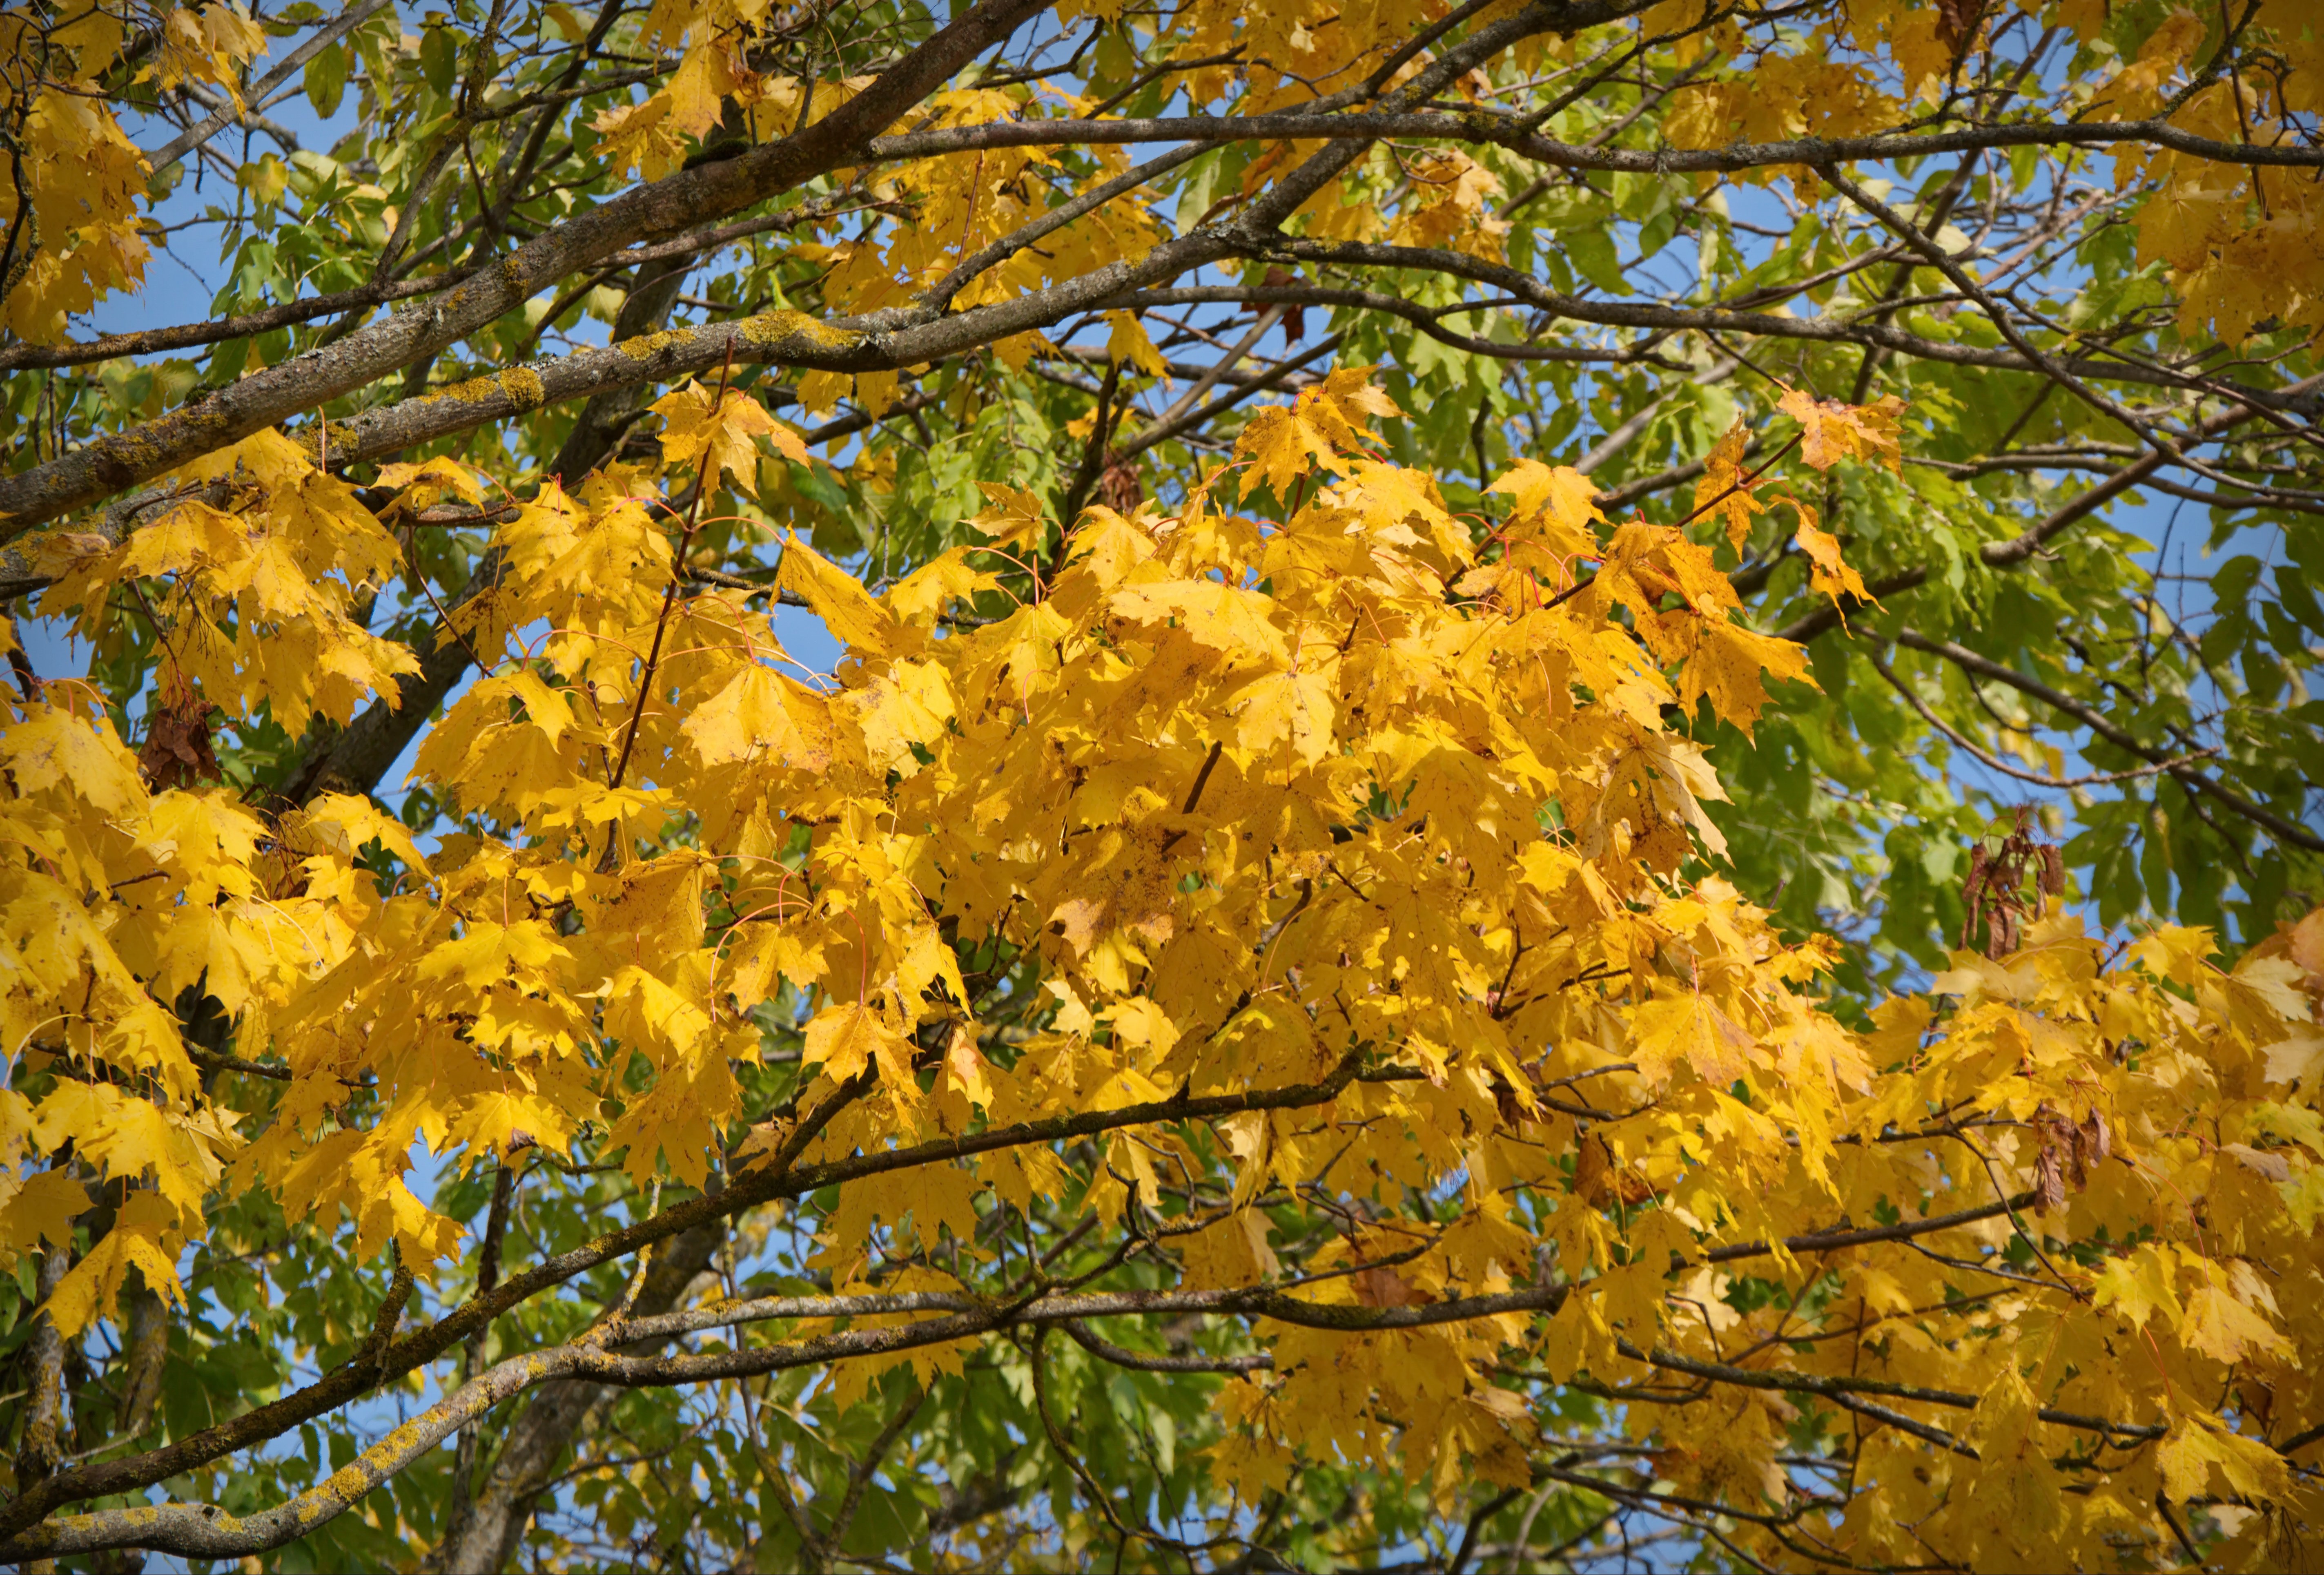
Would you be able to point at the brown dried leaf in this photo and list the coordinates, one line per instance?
(1379, 1287)
(176, 750)
(2049, 1179)
(1592, 1163)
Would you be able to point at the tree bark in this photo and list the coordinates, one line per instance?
(485, 1538)
(37, 1448)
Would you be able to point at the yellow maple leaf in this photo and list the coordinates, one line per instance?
(845, 1039)
(1726, 665)
(1227, 619)
(923, 595)
(1293, 705)
(1127, 342)
(909, 704)
(839, 600)
(1690, 1030)
(1338, 406)
(489, 953)
(2224, 1329)
(145, 1237)
(761, 711)
(642, 1010)
(42, 1208)
(1562, 493)
(52, 749)
(965, 1069)
(1279, 443)
(188, 535)
(2137, 1285)
(1013, 516)
(424, 484)
(2199, 1445)
(2297, 1058)
(718, 433)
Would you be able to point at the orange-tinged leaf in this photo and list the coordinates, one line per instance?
(965, 1067)
(1724, 491)
(1826, 572)
(1832, 431)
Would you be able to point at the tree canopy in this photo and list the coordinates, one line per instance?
(1241, 786)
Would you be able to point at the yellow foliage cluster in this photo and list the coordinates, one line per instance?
(1349, 801)
(258, 538)
(80, 237)
(2241, 243)
(2243, 247)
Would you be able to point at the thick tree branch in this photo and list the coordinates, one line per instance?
(1515, 132)
(694, 196)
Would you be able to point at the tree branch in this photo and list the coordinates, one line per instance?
(1502, 128)
(1994, 763)
(2029, 542)
(2104, 726)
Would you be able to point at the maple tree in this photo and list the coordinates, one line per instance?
(1383, 977)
